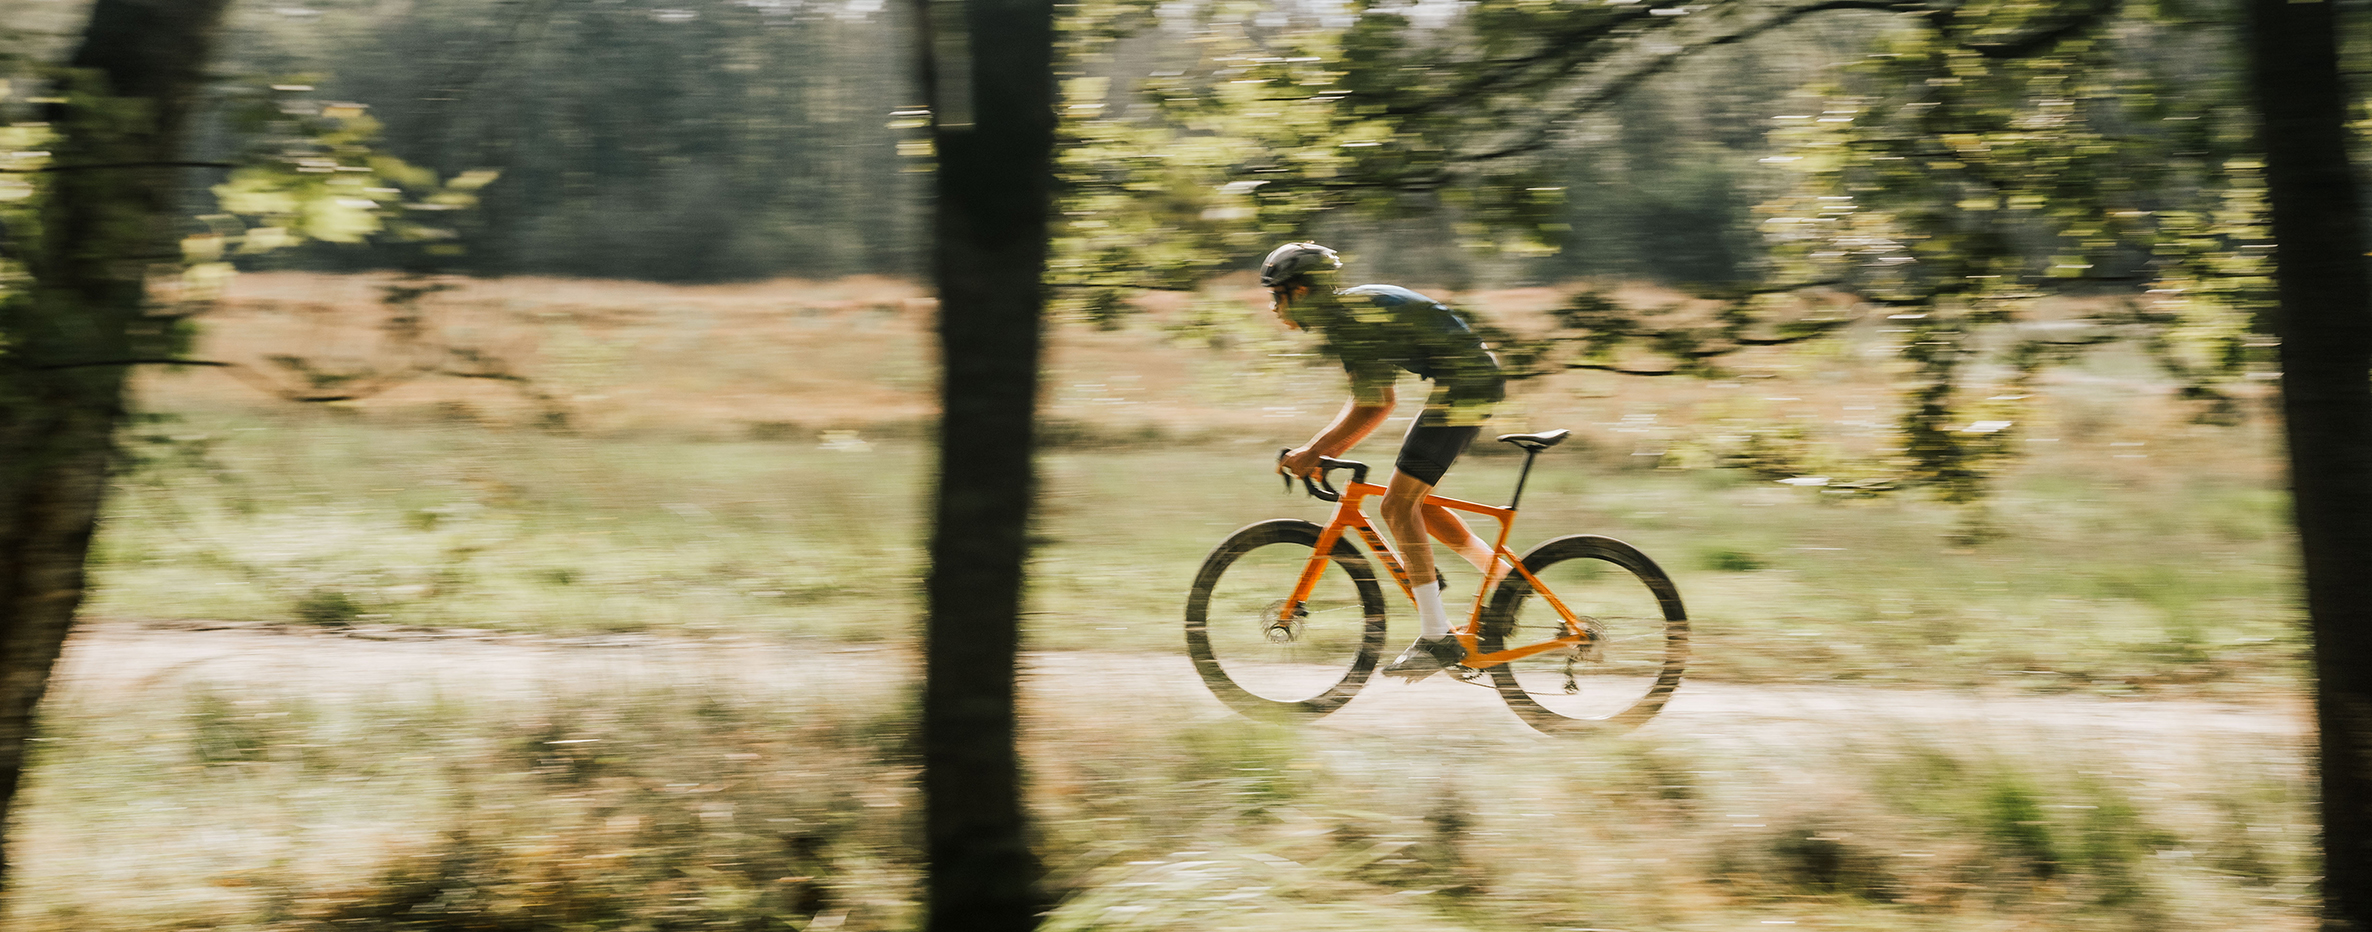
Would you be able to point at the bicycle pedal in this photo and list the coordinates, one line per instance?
(1411, 676)
(1465, 673)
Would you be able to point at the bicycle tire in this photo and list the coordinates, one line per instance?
(1640, 654)
(1322, 660)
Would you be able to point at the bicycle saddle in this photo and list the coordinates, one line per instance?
(1537, 442)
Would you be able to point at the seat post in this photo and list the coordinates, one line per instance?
(1529, 454)
(1532, 444)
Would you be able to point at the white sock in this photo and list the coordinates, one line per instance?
(1432, 620)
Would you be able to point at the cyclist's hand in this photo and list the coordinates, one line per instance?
(1300, 462)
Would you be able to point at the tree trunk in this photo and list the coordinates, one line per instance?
(2325, 324)
(63, 336)
(987, 68)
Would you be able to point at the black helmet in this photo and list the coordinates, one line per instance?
(1292, 260)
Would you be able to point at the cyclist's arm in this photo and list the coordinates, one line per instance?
(1359, 417)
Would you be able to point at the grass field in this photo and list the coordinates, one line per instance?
(2093, 584)
(742, 471)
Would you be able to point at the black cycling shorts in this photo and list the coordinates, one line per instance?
(1429, 450)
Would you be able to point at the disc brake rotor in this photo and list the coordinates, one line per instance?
(1592, 649)
(1283, 630)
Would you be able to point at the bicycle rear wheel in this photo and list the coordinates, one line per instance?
(1267, 667)
(1625, 672)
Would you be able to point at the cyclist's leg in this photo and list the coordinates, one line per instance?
(1450, 422)
(1399, 509)
(1434, 441)
(1423, 458)
(1425, 455)
(1447, 527)
(1466, 404)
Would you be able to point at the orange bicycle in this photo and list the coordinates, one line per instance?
(1286, 619)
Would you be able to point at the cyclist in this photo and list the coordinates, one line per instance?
(1376, 330)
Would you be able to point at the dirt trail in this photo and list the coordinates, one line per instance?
(119, 656)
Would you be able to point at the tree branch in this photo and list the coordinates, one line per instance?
(68, 168)
(1572, 47)
(135, 362)
(2023, 46)
(1760, 290)
(1621, 371)
(1122, 286)
(1783, 341)
(1539, 138)
(2047, 38)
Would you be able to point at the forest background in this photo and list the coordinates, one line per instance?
(745, 141)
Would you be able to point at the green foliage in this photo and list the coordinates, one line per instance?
(1992, 155)
(2013, 818)
(84, 279)
(327, 608)
(1821, 862)
(1246, 135)
(1731, 561)
(25, 147)
(310, 172)
(708, 140)
(220, 732)
(313, 171)
(1976, 158)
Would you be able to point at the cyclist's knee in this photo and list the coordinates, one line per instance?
(1403, 502)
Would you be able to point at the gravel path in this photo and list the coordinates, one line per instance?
(116, 656)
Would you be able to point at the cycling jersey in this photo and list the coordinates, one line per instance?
(1377, 329)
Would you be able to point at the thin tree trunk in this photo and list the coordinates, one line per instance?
(2325, 323)
(59, 399)
(987, 65)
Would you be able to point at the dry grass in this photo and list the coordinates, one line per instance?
(615, 357)
(778, 358)
(793, 358)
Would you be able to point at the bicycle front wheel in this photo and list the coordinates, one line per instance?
(1638, 646)
(1266, 662)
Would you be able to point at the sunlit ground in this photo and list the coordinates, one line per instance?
(436, 661)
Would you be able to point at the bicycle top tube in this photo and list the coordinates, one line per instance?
(1354, 492)
(1349, 515)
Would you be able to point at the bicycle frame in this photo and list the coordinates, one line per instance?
(1349, 516)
